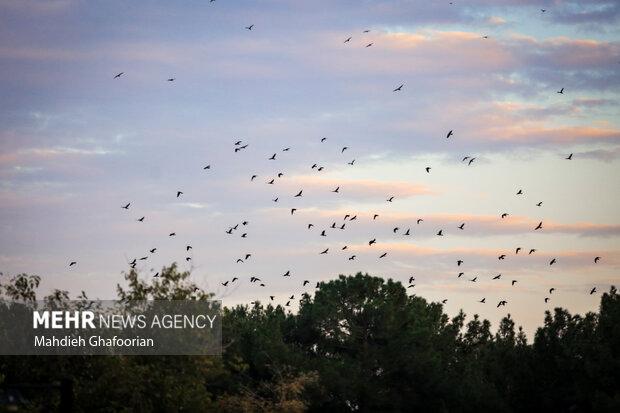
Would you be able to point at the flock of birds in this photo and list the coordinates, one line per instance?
(241, 227)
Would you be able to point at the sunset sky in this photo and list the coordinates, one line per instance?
(76, 144)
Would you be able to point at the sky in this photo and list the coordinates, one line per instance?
(77, 143)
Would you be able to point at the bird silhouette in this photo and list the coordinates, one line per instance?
(352, 162)
(207, 167)
(189, 247)
(348, 40)
(225, 284)
(503, 302)
(250, 27)
(153, 250)
(383, 255)
(72, 263)
(126, 206)
(593, 290)
(398, 88)
(501, 257)
(172, 79)
(344, 149)
(440, 233)
(546, 299)
(517, 250)
(449, 134)
(287, 274)
(520, 192)
(325, 251)
(119, 75)
(156, 275)
(552, 262)
(461, 226)
(474, 279)
(596, 259)
(273, 157)
(271, 182)
(336, 190)
(323, 139)
(172, 234)
(369, 44)
(253, 177)
(459, 262)
(293, 210)
(428, 169)
(504, 215)
(460, 275)
(411, 279)
(570, 157)
(407, 233)
(306, 282)
(141, 219)
(179, 193)
(561, 91)
(299, 194)
(419, 220)
(497, 277)
(482, 301)
(514, 282)
(372, 241)
(470, 161)
(552, 289)
(531, 251)
(390, 199)
(539, 226)
(539, 204)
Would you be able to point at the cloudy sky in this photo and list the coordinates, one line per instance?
(76, 144)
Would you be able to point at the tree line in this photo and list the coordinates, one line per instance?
(360, 344)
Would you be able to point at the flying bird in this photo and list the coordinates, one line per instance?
(428, 169)
(482, 301)
(470, 161)
(440, 233)
(348, 40)
(497, 277)
(504, 215)
(383, 255)
(539, 226)
(372, 241)
(325, 251)
(153, 250)
(369, 44)
(449, 134)
(390, 199)
(179, 193)
(172, 234)
(119, 75)
(306, 282)
(514, 282)
(419, 220)
(323, 139)
(593, 290)
(287, 274)
(501, 257)
(570, 157)
(299, 194)
(596, 259)
(141, 219)
(461, 226)
(520, 192)
(546, 299)
(336, 190)
(561, 91)
(250, 27)
(273, 157)
(344, 148)
(172, 79)
(501, 303)
(539, 204)
(552, 289)
(126, 206)
(398, 88)
(72, 263)
(531, 251)
(207, 167)
(459, 262)
(552, 262)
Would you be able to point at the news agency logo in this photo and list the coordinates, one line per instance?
(111, 327)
